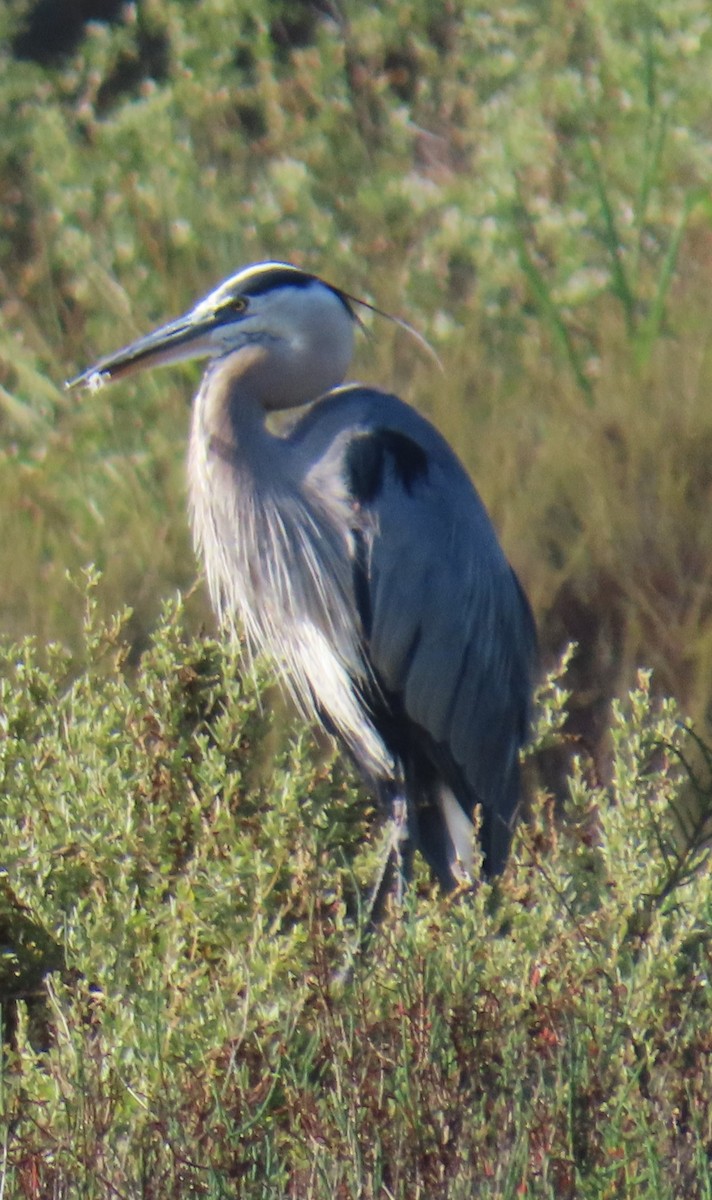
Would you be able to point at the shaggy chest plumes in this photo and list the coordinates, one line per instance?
(280, 562)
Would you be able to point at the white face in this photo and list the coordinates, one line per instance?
(285, 311)
(262, 304)
(305, 333)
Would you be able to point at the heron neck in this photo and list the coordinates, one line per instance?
(231, 417)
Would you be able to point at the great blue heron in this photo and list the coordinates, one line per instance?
(356, 552)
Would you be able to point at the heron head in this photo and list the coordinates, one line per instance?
(287, 332)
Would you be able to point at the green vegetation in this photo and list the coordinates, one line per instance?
(550, 1037)
(528, 183)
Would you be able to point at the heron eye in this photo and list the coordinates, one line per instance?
(236, 304)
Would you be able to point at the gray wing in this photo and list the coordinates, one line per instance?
(449, 631)
(445, 624)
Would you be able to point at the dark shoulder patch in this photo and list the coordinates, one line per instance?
(369, 455)
(363, 464)
(409, 458)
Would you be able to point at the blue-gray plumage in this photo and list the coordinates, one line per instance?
(356, 552)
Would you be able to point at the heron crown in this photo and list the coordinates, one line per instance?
(261, 279)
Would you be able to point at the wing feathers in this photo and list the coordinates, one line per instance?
(450, 630)
(445, 627)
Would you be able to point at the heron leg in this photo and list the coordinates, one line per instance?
(397, 863)
(392, 879)
(402, 846)
(396, 868)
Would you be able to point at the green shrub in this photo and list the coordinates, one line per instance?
(184, 869)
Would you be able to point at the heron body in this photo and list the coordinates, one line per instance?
(357, 554)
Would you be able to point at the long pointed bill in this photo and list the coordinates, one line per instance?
(186, 337)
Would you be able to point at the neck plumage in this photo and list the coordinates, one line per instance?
(268, 544)
(228, 418)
